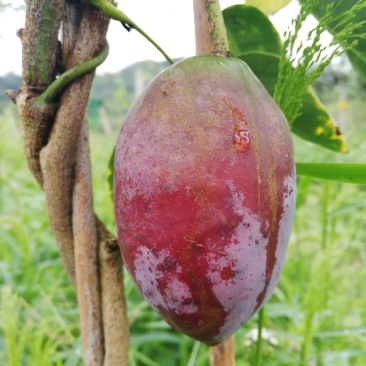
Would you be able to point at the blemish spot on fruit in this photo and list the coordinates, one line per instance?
(227, 273)
(167, 188)
(240, 131)
(169, 263)
(165, 92)
(241, 140)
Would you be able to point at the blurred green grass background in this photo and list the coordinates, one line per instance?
(317, 315)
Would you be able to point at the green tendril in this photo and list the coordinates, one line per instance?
(50, 94)
(109, 9)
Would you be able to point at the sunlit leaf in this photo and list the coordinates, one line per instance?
(268, 6)
(347, 173)
(314, 123)
(249, 30)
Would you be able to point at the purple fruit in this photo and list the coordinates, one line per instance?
(204, 194)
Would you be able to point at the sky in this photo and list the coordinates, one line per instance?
(169, 23)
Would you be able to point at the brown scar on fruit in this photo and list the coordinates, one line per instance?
(240, 130)
(193, 241)
(221, 252)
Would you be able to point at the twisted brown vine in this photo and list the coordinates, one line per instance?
(56, 147)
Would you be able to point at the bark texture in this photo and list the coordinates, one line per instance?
(86, 256)
(58, 156)
(202, 28)
(223, 354)
(115, 322)
(40, 42)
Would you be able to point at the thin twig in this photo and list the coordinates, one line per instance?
(219, 41)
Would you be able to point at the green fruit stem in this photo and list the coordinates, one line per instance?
(220, 44)
(109, 9)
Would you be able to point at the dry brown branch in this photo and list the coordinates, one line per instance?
(223, 354)
(86, 256)
(58, 157)
(115, 322)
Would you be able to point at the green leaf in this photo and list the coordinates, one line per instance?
(249, 30)
(347, 173)
(268, 6)
(314, 123)
(110, 173)
(357, 55)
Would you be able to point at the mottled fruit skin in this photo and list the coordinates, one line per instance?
(204, 193)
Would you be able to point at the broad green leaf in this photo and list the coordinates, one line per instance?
(357, 55)
(347, 173)
(314, 123)
(268, 6)
(249, 30)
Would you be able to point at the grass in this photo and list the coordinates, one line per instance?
(317, 315)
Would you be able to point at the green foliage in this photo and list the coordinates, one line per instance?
(311, 57)
(262, 52)
(317, 314)
(249, 30)
(348, 173)
(317, 311)
(38, 314)
(357, 53)
(314, 122)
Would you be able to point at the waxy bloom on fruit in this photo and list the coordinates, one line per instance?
(204, 194)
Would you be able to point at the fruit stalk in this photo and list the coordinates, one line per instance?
(220, 44)
(223, 354)
(202, 30)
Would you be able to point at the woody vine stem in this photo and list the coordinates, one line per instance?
(56, 147)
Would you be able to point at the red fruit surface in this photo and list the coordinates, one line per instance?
(204, 193)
